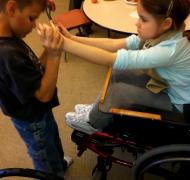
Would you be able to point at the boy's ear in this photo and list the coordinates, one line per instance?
(167, 23)
(11, 7)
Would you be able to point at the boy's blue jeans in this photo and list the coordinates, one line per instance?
(43, 142)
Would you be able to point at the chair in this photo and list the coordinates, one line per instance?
(70, 20)
(73, 19)
(153, 137)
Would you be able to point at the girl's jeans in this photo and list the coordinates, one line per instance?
(43, 142)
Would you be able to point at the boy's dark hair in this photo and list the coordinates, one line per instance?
(178, 10)
(24, 3)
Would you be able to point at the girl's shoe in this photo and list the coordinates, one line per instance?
(79, 122)
(83, 108)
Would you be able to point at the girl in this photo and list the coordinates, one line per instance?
(159, 49)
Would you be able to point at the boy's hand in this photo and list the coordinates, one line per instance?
(51, 38)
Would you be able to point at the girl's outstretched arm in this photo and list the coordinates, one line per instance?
(90, 53)
(104, 43)
(108, 44)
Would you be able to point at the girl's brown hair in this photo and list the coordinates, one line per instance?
(178, 10)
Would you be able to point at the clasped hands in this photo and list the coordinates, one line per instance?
(52, 36)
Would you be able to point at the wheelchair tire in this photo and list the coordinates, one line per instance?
(174, 153)
(31, 173)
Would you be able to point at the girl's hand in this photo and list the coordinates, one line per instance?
(51, 38)
(64, 31)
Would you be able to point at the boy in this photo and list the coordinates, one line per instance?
(28, 84)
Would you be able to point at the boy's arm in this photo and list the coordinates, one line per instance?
(49, 79)
(52, 42)
(43, 57)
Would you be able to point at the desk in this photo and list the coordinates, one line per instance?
(115, 15)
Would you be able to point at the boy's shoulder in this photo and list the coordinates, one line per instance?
(9, 40)
(10, 44)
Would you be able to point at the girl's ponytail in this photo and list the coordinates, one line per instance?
(187, 34)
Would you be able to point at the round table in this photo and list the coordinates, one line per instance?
(115, 15)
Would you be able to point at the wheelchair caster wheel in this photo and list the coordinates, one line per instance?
(103, 165)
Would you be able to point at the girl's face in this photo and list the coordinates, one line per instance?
(148, 27)
(23, 21)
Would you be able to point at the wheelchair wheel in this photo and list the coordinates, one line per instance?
(169, 162)
(30, 173)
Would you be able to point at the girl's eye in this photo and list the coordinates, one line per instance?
(143, 19)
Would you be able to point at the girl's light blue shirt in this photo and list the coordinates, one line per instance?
(170, 58)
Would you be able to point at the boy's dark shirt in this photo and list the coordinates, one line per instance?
(20, 77)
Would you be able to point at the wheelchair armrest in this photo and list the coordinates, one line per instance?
(159, 115)
(133, 113)
(125, 111)
(105, 86)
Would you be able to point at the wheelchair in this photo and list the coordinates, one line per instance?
(158, 141)
(29, 173)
